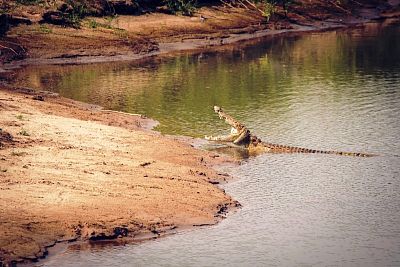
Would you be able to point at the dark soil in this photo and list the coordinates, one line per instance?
(5, 138)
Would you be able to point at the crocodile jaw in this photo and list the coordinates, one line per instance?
(219, 111)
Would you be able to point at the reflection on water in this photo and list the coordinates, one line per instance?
(334, 90)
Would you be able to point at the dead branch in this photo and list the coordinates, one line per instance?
(9, 48)
(16, 44)
(242, 4)
(341, 8)
(254, 6)
(226, 3)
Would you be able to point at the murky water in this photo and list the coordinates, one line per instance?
(335, 90)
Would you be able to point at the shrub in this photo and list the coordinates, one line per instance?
(269, 10)
(184, 7)
(44, 29)
(75, 12)
(93, 24)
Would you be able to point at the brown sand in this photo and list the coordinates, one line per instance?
(65, 176)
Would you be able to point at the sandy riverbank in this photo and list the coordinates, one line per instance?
(74, 172)
(69, 171)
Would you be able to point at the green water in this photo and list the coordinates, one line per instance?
(335, 90)
(180, 91)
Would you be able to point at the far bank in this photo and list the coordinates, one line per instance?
(116, 37)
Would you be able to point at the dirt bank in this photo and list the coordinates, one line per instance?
(126, 37)
(70, 171)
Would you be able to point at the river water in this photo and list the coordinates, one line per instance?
(336, 90)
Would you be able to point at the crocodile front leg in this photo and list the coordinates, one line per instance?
(234, 135)
(243, 138)
(222, 138)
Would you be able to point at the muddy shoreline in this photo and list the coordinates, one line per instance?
(32, 225)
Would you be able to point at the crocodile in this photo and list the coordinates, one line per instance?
(241, 136)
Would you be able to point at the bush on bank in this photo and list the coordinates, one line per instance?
(71, 12)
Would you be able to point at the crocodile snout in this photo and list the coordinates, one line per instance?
(217, 109)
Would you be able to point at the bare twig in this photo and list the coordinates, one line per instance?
(358, 3)
(341, 8)
(226, 3)
(9, 48)
(253, 5)
(241, 3)
(20, 46)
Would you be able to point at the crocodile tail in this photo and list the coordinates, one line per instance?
(293, 149)
(341, 153)
(351, 154)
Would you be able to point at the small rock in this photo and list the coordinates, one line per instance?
(120, 231)
(145, 164)
(38, 97)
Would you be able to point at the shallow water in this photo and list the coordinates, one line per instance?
(336, 90)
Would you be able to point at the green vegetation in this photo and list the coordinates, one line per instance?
(72, 12)
(270, 6)
(183, 7)
(20, 117)
(93, 24)
(121, 33)
(44, 29)
(76, 11)
(269, 9)
(109, 20)
(24, 133)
